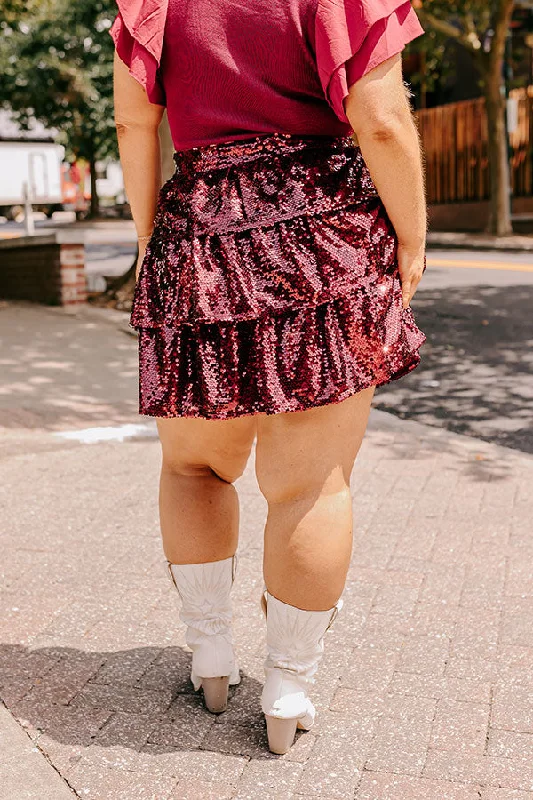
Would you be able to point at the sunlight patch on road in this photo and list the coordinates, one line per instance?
(109, 434)
(501, 265)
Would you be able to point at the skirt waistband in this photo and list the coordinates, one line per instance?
(226, 154)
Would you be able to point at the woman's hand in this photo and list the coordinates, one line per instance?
(411, 265)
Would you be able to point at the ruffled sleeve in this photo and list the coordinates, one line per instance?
(354, 36)
(138, 32)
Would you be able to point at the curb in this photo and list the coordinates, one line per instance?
(462, 241)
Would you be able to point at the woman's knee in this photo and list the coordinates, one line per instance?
(310, 452)
(227, 468)
(189, 461)
(279, 485)
(179, 467)
(194, 448)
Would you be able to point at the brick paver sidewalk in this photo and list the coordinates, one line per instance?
(426, 688)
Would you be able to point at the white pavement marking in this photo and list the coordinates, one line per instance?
(110, 434)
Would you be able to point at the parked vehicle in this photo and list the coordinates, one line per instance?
(31, 166)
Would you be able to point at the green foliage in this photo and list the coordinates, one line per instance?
(468, 13)
(435, 61)
(478, 26)
(56, 64)
(13, 10)
(471, 23)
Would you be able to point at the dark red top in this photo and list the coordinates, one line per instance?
(231, 70)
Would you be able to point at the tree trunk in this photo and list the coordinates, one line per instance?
(119, 291)
(95, 201)
(495, 96)
(500, 199)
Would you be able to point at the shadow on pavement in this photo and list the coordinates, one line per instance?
(479, 466)
(61, 371)
(140, 699)
(476, 372)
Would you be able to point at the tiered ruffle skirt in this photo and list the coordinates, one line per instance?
(270, 283)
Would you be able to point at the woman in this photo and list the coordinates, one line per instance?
(272, 296)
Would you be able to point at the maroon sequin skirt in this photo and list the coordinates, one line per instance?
(270, 282)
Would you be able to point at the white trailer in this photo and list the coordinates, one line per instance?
(34, 164)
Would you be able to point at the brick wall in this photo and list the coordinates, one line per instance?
(42, 271)
(72, 274)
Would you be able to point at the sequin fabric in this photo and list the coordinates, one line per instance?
(270, 283)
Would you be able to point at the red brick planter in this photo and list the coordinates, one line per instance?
(43, 269)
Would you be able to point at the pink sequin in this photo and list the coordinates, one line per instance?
(270, 283)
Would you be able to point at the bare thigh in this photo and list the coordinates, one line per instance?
(303, 465)
(310, 451)
(197, 447)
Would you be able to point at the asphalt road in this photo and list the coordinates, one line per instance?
(476, 375)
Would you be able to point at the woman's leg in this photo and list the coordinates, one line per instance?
(303, 462)
(199, 508)
(199, 512)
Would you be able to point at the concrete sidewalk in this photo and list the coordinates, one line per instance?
(426, 688)
(480, 241)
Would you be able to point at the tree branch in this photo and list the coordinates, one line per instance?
(446, 28)
(469, 40)
(471, 31)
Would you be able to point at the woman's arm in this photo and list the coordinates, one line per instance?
(137, 121)
(380, 114)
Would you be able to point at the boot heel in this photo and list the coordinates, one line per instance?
(281, 733)
(216, 693)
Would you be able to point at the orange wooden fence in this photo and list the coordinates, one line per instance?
(454, 138)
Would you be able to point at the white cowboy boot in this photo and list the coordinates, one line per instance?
(295, 643)
(204, 590)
